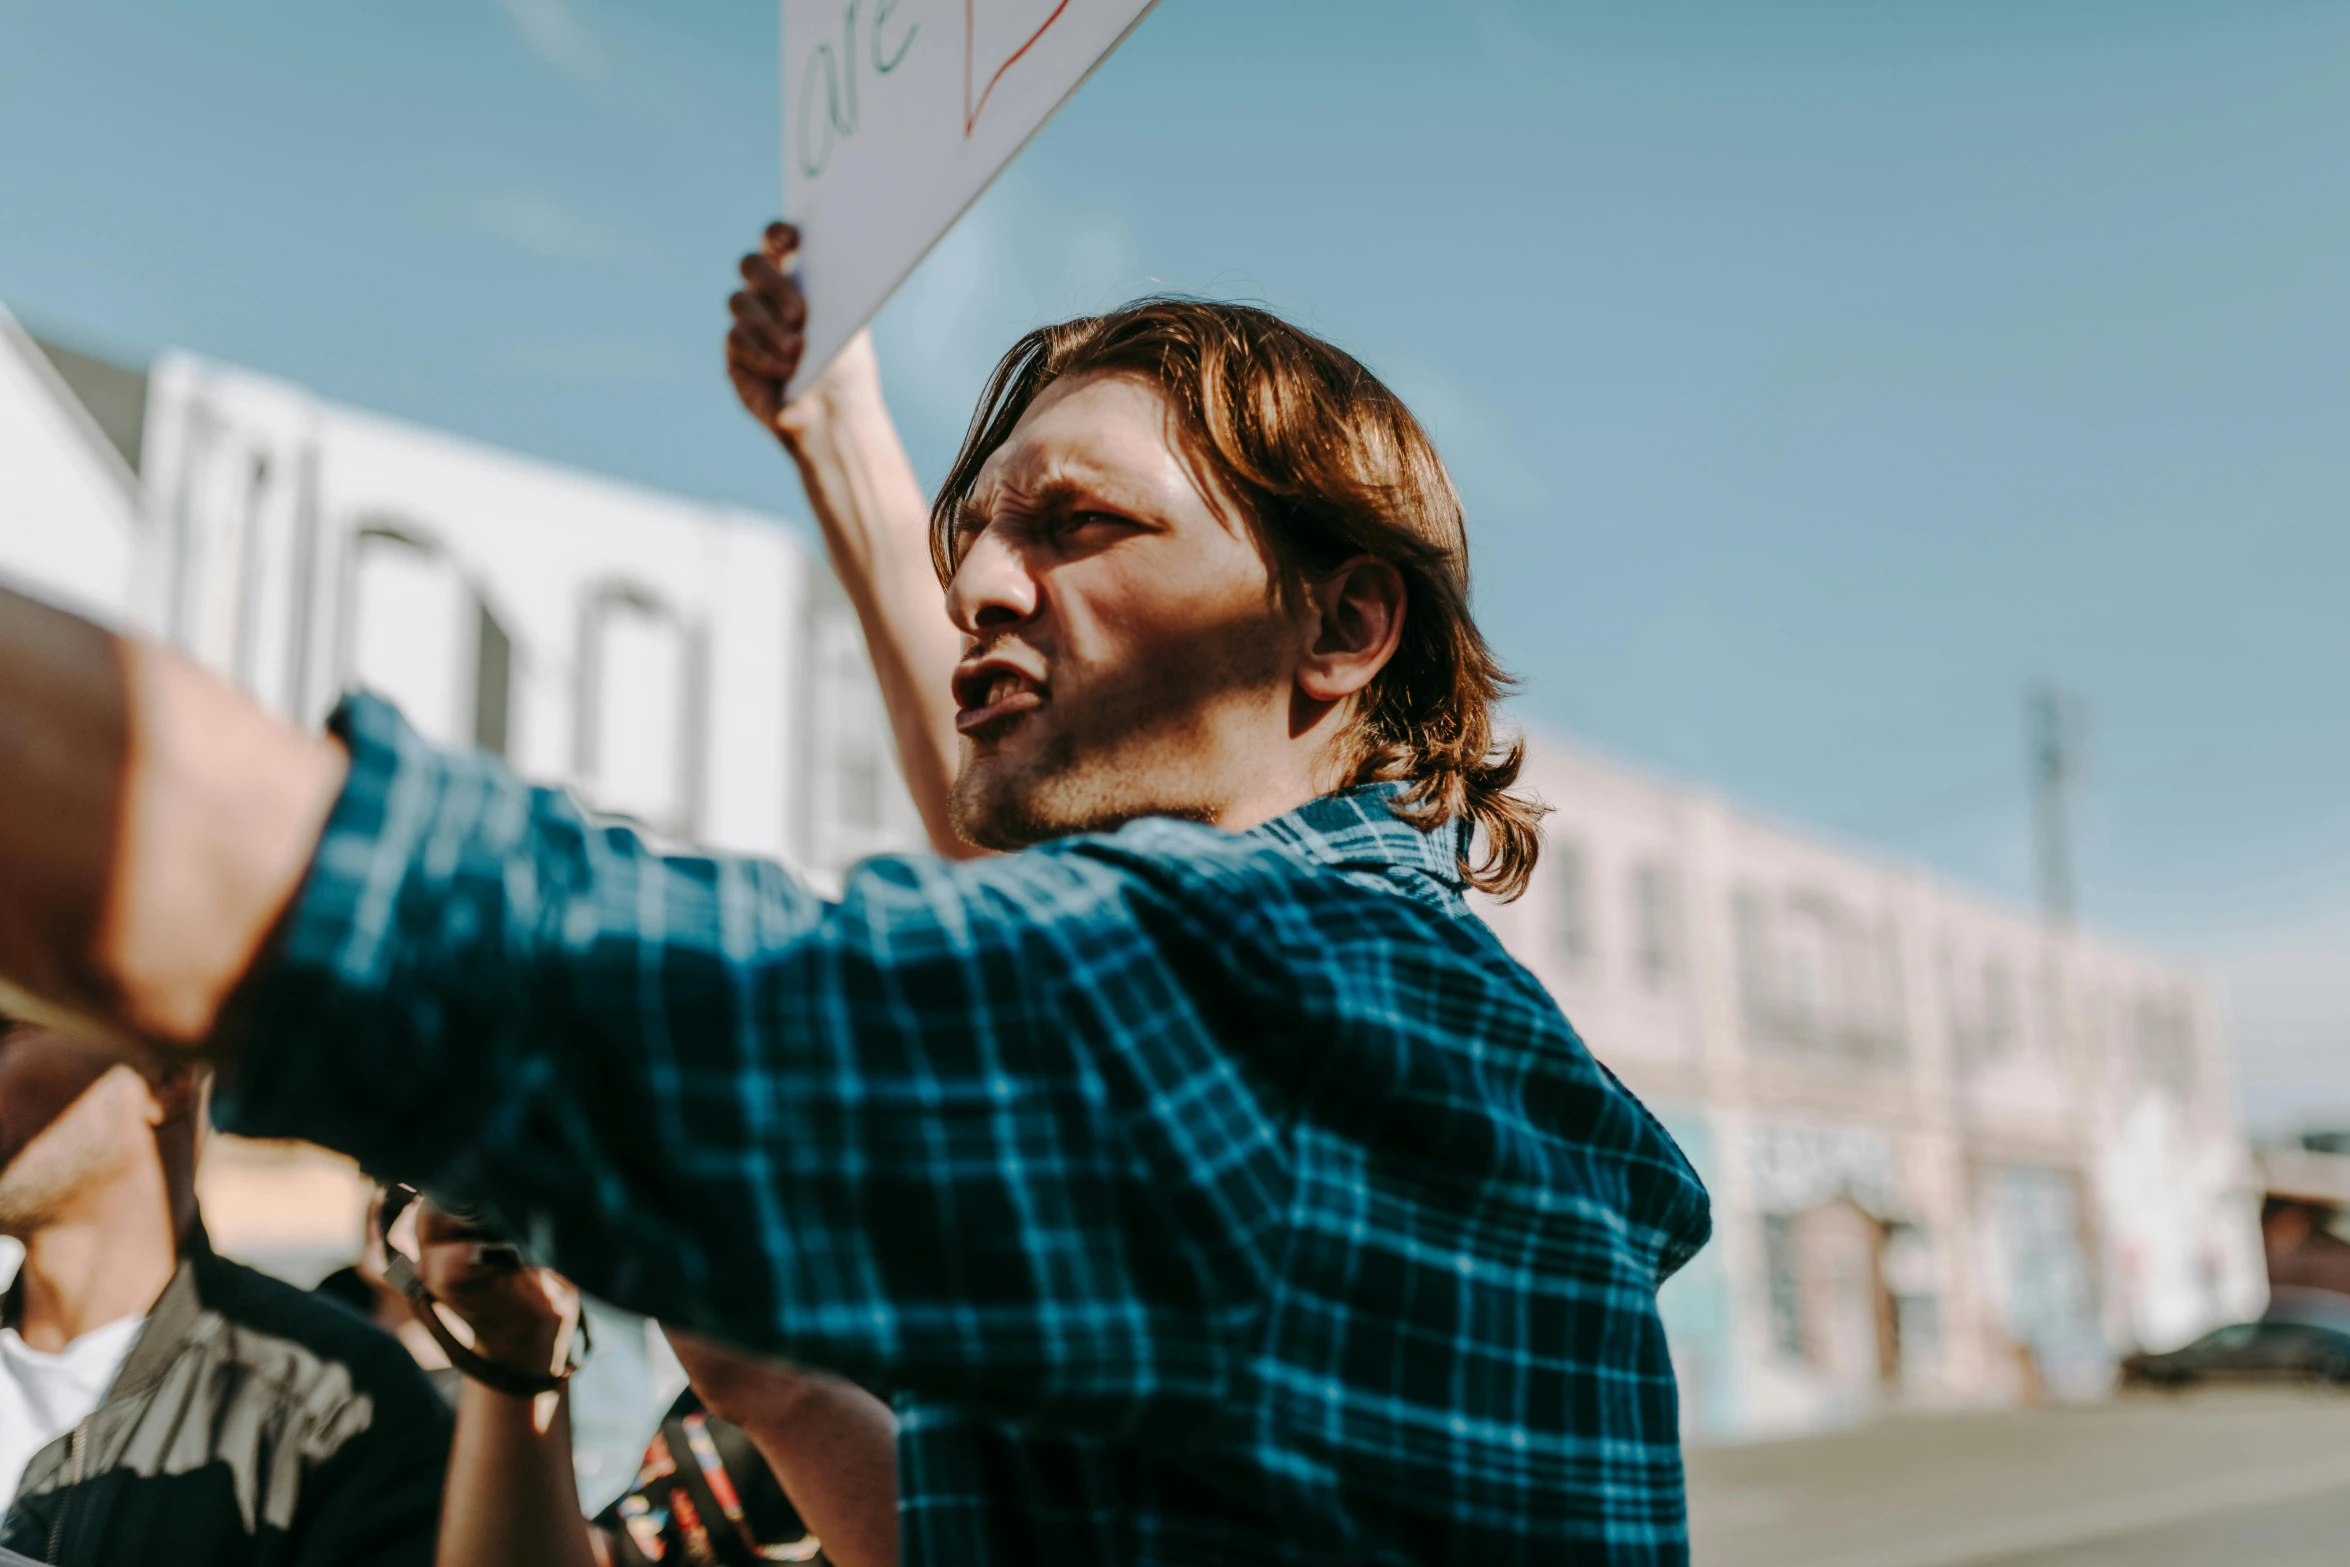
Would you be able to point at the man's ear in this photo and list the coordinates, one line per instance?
(1357, 615)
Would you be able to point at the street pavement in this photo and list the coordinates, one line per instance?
(2211, 1479)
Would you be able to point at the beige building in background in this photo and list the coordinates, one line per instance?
(1956, 1159)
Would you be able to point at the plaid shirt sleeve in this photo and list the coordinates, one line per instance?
(1201, 1196)
(881, 1134)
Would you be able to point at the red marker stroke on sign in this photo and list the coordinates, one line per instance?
(971, 10)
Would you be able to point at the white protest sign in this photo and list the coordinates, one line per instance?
(897, 114)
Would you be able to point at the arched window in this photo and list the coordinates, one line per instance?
(1656, 923)
(638, 745)
(219, 547)
(858, 802)
(406, 627)
(418, 634)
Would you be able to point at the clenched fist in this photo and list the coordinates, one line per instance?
(770, 320)
(521, 1317)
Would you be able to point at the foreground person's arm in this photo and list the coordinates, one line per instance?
(887, 1136)
(871, 510)
(512, 1500)
(830, 1444)
(893, 1119)
(154, 824)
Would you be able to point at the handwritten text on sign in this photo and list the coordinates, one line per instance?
(897, 114)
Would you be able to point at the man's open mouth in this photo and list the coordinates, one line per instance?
(992, 693)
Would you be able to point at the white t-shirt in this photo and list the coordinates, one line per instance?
(44, 1396)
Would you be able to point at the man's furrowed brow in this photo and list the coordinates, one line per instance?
(970, 517)
(975, 512)
(1057, 492)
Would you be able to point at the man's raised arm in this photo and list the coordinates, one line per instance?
(869, 505)
(154, 824)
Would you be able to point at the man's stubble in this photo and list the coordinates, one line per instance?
(1144, 745)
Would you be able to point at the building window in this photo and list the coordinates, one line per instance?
(417, 633)
(1786, 1285)
(493, 685)
(1815, 976)
(860, 784)
(1656, 951)
(637, 745)
(1964, 1047)
(2162, 1038)
(857, 802)
(406, 632)
(1868, 988)
(1750, 919)
(1986, 1010)
(2002, 1010)
(1807, 957)
(1891, 998)
(1570, 907)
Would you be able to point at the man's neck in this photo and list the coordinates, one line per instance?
(108, 1260)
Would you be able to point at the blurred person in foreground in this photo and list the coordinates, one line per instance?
(160, 1404)
(1204, 1179)
(756, 1461)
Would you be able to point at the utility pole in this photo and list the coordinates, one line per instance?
(2053, 738)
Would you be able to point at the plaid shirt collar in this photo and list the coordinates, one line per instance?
(1357, 830)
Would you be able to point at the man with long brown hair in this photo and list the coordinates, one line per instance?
(1202, 1176)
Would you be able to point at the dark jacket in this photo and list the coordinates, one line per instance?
(252, 1425)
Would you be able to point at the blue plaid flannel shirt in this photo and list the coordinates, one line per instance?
(1201, 1198)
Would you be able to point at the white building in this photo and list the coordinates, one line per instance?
(1956, 1159)
(687, 666)
(691, 667)
(72, 513)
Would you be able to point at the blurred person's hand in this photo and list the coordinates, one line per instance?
(521, 1317)
(872, 511)
(770, 331)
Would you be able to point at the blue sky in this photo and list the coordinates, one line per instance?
(1819, 373)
